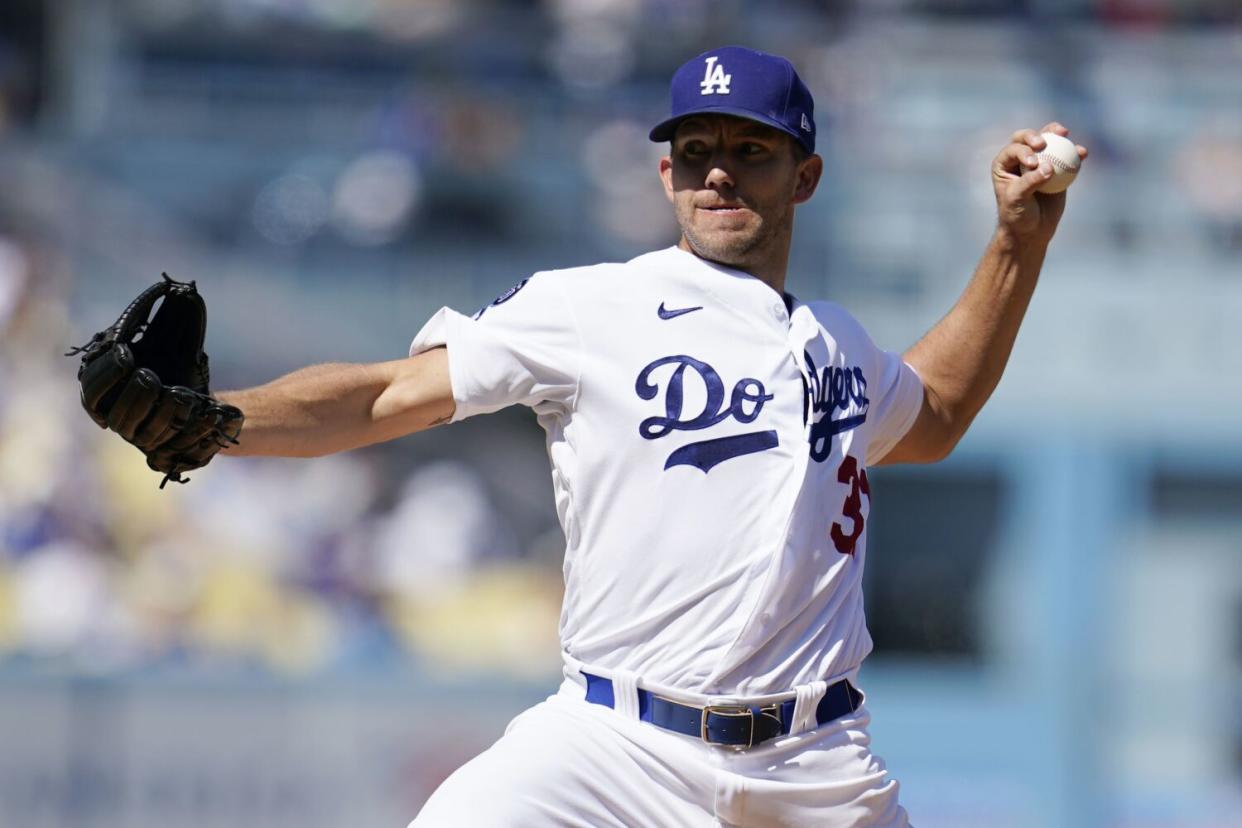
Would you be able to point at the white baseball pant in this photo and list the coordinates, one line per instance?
(566, 762)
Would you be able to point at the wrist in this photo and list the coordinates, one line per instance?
(1019, 245)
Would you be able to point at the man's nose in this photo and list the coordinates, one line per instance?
(718, 178)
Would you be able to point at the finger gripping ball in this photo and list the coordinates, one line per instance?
(1062, 155)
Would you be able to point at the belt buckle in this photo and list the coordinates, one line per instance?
(736, 711)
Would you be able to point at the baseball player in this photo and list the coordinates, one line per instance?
(709, 437)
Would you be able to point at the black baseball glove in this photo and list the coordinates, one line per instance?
(145, 377)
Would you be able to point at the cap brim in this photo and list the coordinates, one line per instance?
(664, 130)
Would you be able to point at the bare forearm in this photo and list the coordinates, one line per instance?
(335, 407)
(962, 358)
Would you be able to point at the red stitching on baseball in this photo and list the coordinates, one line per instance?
(1058, 163)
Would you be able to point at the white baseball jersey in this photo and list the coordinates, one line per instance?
(708, 448)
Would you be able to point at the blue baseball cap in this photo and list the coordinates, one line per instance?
(734, 80)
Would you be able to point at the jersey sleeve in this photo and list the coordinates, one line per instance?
(523, 348)
(895, 404)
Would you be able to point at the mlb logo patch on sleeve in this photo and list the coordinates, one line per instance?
(502, 298)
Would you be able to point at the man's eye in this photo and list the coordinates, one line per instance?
(753, 149)
(694, 148)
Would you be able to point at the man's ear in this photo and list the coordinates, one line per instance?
(810, 170)
(666, 176)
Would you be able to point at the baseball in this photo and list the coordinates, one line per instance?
(1063, 157)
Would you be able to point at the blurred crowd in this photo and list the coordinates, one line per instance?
(278, 565)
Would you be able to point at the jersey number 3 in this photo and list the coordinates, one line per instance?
(857, 480)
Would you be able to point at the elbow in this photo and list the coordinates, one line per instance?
(944, 447)
(948, 421)
(933, 443)
(950, 433)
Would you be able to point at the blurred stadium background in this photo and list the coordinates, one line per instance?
(1057, 609)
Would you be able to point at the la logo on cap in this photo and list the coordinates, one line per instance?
(715, 81)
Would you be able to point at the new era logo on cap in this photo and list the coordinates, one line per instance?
(745, 83)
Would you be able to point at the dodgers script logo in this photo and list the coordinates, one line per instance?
(830, 390)
(715, 81)
(745, 402)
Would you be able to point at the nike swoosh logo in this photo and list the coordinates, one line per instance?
(672, 314)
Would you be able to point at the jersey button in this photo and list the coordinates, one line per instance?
(778, 312)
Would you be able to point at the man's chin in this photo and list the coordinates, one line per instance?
(730, 249)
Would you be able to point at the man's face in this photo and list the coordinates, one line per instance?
(734, 184)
